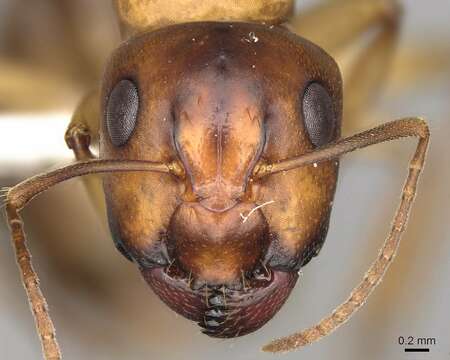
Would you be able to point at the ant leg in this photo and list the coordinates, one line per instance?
(83, 131)
(336, 24)
(84, 126)
(372, 65)
(17, 198)
(386, 132)
(344, 26)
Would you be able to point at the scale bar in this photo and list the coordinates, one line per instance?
(417, 350)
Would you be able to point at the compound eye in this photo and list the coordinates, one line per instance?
(318, 114)
(121, 112)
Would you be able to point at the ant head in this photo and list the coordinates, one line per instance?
(219, 245)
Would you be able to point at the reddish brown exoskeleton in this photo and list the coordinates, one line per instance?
(219, 144)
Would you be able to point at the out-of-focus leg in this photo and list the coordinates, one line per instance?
(365, 31)
(334, 24)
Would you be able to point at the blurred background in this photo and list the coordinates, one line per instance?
(51, 51)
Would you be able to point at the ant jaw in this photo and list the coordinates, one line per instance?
(223, 311)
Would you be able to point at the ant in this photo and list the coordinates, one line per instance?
(220, 141)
